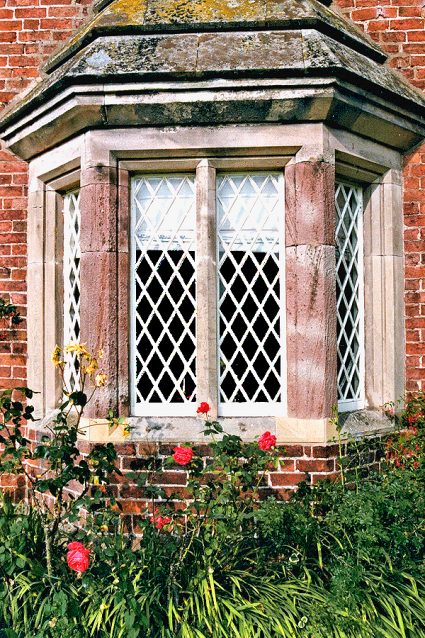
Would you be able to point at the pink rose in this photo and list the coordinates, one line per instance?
(266, 441)
(203, 408)
(182, 455)
(78, 557)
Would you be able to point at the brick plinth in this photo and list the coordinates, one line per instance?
(297, 463)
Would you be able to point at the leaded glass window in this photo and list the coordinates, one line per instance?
(247, 250)
(163, 356)
(350, 296)
(250, 219)
(71, 284)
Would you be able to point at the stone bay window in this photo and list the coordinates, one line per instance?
(215, 201)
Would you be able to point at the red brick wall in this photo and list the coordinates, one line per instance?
(29, 31)
(399, 28)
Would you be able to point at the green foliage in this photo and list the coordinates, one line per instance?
(9, 311)
(340, 560)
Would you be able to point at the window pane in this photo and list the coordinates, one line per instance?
(250, 234)
(71, 284)
(349, 288)
(163, 292)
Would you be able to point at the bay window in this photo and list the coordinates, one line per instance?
(246, 278)
(247, 248)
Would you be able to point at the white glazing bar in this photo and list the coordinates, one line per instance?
(163, 296)
(350, 296)
(71, 285)
(250, 214)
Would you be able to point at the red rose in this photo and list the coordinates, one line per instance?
(266, 441)
(182, 455)
(412, 418)
(160, 521)
(78, 557)
(204, 408)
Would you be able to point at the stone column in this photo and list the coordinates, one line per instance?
(310, 299)
(35, 295)
(206, 294)
(384, 283)
(99, 281)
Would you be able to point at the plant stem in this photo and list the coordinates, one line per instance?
(48, 549)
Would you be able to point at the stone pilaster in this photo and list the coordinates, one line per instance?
(99, 280)
(310, 291)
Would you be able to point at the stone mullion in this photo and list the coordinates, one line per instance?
(206, 287)
(310, 297)
(35, 296)
(123, 265)
(99, 279)
(384, 310)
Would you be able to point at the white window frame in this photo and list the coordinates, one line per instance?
(203, 185)
(146, 408)
(71, 199)
(350, 405)
(228, 409)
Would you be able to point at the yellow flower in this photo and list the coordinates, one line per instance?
(92, 367)
(56, 356)
(100, 380)
(79, 349)
(126, 432)
(100, 354)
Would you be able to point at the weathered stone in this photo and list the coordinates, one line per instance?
(99, 267)
(99, 322)
(139, 16)
(259, 51)
(311, 331)
(99, 205)
(310, 204)
(357, 424)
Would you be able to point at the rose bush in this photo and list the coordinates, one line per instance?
(219, 559)
(203, 408)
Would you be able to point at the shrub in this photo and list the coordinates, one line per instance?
(340, 560)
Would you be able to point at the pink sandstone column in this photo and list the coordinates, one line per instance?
(99, 281)
(310, 288)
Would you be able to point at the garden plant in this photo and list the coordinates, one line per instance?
(340, 559)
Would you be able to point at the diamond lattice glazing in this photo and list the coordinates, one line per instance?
(163, 294)
(349, 286)
(250, 234)
(71, 284)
